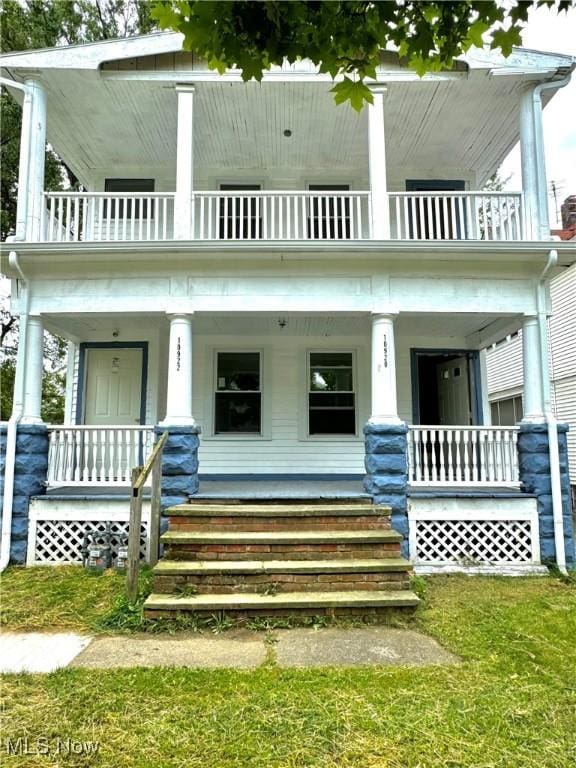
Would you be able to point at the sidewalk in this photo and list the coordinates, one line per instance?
(238, 649)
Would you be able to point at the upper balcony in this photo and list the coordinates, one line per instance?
(214, 160)
(267, 216)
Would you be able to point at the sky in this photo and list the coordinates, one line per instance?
(550, 31)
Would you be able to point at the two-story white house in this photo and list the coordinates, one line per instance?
(303, 290)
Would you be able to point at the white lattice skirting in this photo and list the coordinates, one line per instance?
(56, 537)
(473, 538)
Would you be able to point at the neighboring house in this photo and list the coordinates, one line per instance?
(504, 359)
(311, 288)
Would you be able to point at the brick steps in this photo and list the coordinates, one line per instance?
(251, 558)
(275, 576)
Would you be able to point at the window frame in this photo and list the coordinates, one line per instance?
(356, 391)
(212, 382)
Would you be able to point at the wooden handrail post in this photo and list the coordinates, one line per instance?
(155, 509)
(133, 561)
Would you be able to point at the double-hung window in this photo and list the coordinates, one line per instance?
(331, 393)
(238, 396)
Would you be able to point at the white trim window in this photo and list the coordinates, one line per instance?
(238, 393)
(331, 393)
(507, 411)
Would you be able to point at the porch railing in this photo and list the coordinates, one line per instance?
(94, 455)
(456, 216)
(272, 215)
(102, 217)
(276, 215)
(441, 455)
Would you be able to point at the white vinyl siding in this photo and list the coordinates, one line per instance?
(563, 324)
(505, 366)
(565, 404)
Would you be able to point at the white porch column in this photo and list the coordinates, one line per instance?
(33, 365)
(32, 160)
(179, 393)
(183, 203)
(379, 205)
(384, 400)
(532, 361)
(529, 162)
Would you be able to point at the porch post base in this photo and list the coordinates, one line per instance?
(30, 473)
(179, 463)
(534, 464)
(386, 463)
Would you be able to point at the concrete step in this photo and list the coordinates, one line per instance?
(290, 603)
(281, 537)
(220, 567)
(296, 509)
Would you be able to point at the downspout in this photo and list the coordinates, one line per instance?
(555, 480)
(18, 399)
(12, 427)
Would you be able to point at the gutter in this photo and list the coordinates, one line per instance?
(12, 427)
(552, 424)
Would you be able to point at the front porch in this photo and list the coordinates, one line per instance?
(269, 407)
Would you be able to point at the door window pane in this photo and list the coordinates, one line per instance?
(238, 404)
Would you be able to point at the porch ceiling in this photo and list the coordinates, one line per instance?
(246, 325)
(99, 124)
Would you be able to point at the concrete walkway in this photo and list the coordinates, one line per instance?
(237, 649)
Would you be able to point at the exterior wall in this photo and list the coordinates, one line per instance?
(286, 448)
(505, 374)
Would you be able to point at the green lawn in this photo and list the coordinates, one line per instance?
(510, 704)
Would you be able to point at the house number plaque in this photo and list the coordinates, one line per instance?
(385, 359)
(178, 354)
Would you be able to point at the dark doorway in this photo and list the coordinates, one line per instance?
(446, 387)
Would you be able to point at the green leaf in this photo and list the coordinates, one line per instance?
(354, 91)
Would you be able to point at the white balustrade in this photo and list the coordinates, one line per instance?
(441, 455)
(278, 215)
(95, 455)
(103, 217)
(456, 215)
(281, 215)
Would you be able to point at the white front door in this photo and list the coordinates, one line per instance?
(113, 386)
(454, 392)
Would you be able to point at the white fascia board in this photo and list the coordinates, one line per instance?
(521, 59)
(39, 254)
(278, 75)
(92, 55)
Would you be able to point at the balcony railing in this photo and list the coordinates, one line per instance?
(441, 455)
(258, 216)
(95, 455)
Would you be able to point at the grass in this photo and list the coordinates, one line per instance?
(510, 704)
